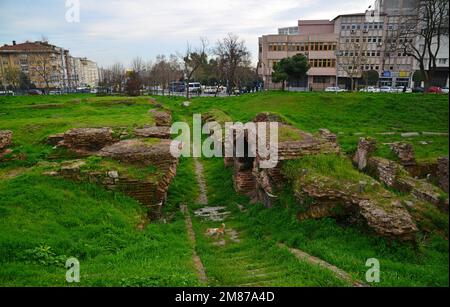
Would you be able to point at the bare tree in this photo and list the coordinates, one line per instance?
(192, 60)
(117, 77)
(421, 35)
(43, 64)
(12, 77)
(231, 53)
(353, 57)
(138, 65)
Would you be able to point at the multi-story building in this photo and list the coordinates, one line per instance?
(44, 64)
(85, 73)
(47, 66)
(359, 44)
(313, 38)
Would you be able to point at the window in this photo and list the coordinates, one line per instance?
(318, 79)
(442, 61)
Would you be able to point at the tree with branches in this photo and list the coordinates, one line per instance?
(231, 53)
(421, 35)
(192, 60)
(352, 57)
(13, 77)
(44, 66)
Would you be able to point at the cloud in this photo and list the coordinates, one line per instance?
(112, 30)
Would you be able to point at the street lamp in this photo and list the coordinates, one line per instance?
(338, 65)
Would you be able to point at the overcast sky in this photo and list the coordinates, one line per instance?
(118, 30)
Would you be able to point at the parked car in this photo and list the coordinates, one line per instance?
(195, 87)
(418, 90)
(332, 89)
(370, 89)
(386, 89)
(445, 90)
(34, 92)
(402, 89)
(211, 90)
(177, 87)
(7, 93)
(435, 90)
(55, 93)
(335, 89)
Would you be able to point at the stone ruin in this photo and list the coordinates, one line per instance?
(329, 197)
(5, 141)
(148, 154)
(83, 141)
(396, 176)
(366, 202)
(405, 153)
(260, 184)
(162, 118)
(153, 132)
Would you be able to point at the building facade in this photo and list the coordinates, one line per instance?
(359, 43)
(47, 67)
(44, 64)
(315, 41)
(85, 73)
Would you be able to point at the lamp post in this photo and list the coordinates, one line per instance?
(338, 65)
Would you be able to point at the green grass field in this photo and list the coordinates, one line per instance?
(44, 220)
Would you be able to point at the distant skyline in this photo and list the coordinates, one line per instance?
(118, 30)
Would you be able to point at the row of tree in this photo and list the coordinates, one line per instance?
(227, 64)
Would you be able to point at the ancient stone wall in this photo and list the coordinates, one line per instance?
(153, 132)
(328, 200)
(405, 153)
(394, 175)
(162, 118)
(261, 184)
(88, 140)
(152, 149)
(366, 148)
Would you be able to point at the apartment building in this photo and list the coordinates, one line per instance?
(85, 73)
(45, 65)
(313, 38)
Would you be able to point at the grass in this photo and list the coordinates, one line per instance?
(350, 115)
(32, 119)
(252, 261)
(346, 247)
(99, 228)
(43, 220)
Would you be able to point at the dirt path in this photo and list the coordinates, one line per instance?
(191, 235)
(203, 198)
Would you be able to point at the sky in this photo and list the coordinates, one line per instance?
(110, 31)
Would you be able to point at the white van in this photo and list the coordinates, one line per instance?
(195, 87)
